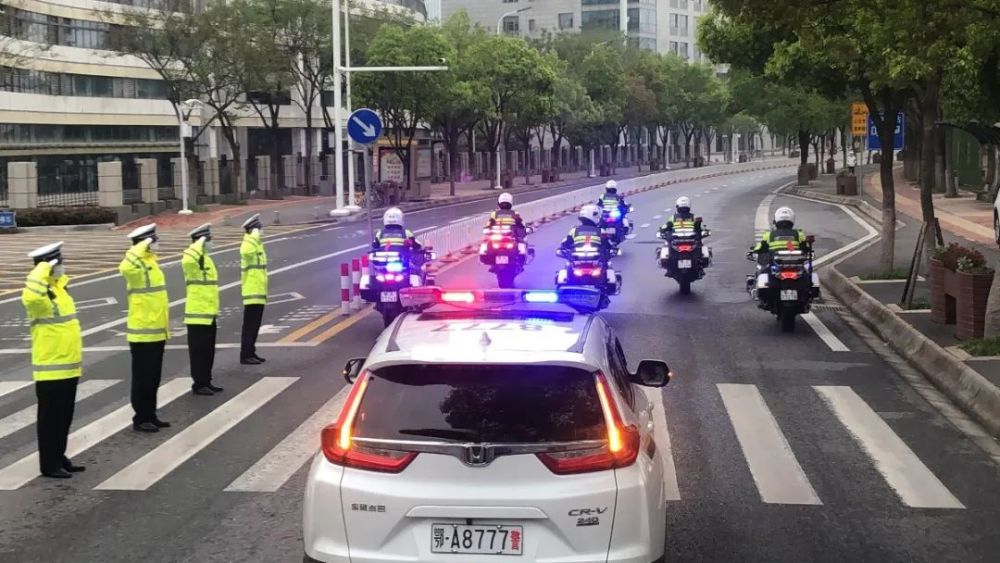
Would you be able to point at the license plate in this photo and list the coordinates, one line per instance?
(684, 264)
(483, 540)
(609, 231)
(502, 259)
(789, 295)
(388, 297)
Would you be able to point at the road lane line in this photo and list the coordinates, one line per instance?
(20, 473)
(661, 434)
(342, 326)
(11, 386)
(824, 333)
(313, 325)
(27, 416)
(915, 484)
(644, 225)
(778, 475)
(155, 465)
(278, 465)
(657, 216)
(762, 220)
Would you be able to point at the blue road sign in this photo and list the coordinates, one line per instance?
(364, 126)
(875, 144)
(8, 220)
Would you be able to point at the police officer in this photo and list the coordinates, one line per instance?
(393, 235)
(253, 276)
(505, 215)
(587, 233)
(784, 231)
(201, 308)
(682, 219)
(56, 357)
(611, 199)
(148, 324)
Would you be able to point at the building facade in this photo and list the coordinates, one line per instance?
(69, 102)
(657, 25)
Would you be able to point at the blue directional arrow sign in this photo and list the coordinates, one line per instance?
(364, 126)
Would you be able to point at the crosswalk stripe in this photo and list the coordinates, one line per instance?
(662, 435)
(915, 484)
(27, 416)
(156, 464)
(278, 465)
(776, 472)
(11, 386)
(19, 473)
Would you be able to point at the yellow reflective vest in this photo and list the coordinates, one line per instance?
(56, 341)
(253, 269)
(202, 282)
(148, 306)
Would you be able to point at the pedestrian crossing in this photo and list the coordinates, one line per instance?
(778, 475)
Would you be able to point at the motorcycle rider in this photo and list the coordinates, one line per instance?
(784, 231)
(587, 233)
(611, 199)
(505, 216)
(393, 235)
(682, 219)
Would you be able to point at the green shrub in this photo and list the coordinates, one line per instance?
(982, 347)
(46, 216)
(896, 274)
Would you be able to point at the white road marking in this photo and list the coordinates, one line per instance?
(11, 386)
(95, 303)
(284, 298)
(27, 416)
(278, 465)
(824, 333)
(762, 220)
(19, 473)
(915, 484)
(644, 225)
(778, 475)
(657, 216)
(662, 436)
(155, 465)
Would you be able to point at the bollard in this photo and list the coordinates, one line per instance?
(345, 290)
(277, 219)
(356, 284)
(315, 212)
(227, 221)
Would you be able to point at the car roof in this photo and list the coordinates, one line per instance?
(564, 339)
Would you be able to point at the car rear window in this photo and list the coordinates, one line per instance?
(475, 403)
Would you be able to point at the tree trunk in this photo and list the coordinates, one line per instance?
(992, 329)
(928, 117)
(453, 160)
(803, 147)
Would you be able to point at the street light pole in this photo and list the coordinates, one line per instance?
(350, 105)
(184, 110)
(503, 16)
(338, 106)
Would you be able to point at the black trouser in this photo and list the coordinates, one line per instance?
(147, 369)
(201, 351)
(56, 400)
(252, 316)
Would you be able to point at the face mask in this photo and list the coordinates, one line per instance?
(208, 246)
(58, 271)
(154, 246)
(256, 231)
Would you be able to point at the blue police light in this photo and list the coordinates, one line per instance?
(541, 297)
(394, 267)
(616, 213)
(580, 298)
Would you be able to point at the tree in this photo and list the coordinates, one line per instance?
(514, 76)
(569, 102)
(404, 100)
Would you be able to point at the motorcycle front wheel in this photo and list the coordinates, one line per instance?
(685, 286)
(389, 312)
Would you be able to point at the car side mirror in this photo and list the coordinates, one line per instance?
(652, 373)
(352, 369)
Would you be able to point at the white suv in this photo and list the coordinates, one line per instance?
(491, 423)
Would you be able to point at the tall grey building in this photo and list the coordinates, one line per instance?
(658, 25)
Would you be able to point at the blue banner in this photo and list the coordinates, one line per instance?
(875, 144)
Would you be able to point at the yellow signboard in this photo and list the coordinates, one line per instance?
(859, 119)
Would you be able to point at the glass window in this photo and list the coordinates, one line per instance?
(513, 404)
(531, 25)
(512, 24)
(599, 19)
(566, 21)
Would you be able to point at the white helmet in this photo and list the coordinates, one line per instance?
(784, 214)
(684, 201)
(590, 212)
(611, 186)
(505, 198)
(393, 216)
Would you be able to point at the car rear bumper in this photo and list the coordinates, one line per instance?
(323, 530)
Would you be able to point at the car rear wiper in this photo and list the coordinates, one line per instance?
(443, 433)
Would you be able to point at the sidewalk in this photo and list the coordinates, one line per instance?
(930, 347)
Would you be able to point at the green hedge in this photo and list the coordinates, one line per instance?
(45, 216)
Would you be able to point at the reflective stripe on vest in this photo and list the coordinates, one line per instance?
(145, 330)
(57, 367)
(152, 289)
(202, 282)
(53, 320)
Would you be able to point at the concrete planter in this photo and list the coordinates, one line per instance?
(959, 298)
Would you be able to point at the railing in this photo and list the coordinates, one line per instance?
(61, 189)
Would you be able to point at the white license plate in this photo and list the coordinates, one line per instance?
(388, 297)
(502, 259)
(484, 540)
(609, 230)
(684, 264)
(789, 295)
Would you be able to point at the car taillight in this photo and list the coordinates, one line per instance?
(339, 448)
(620, 450)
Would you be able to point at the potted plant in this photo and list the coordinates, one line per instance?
(959, 286)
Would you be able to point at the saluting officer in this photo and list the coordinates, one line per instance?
(56, 357)
(201, 308)
(148, 324)
(253, 276)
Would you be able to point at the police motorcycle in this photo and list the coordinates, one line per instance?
(389, 271)
(684, 255)
(615, 225)
(505, 253)
(785, 283)
(585, 268)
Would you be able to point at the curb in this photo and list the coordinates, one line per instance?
(872, 212)
(66, 228)
(962, 384)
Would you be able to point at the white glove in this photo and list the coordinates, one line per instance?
(53, 263)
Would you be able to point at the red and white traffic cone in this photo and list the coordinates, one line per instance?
(356, 284)
(345, 289)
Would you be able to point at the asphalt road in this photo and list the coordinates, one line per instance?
(785, 447)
